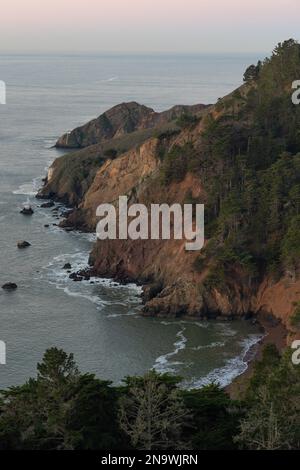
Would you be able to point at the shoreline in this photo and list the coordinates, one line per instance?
(274, 333)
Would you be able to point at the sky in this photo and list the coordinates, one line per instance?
(141, 26)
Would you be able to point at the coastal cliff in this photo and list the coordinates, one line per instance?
(239, 157)
(120, 120)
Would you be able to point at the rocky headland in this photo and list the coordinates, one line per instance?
(240, 157)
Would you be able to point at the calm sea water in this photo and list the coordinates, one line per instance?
(98, 322)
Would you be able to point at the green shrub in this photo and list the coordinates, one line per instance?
(186, 120)
(199, 263)
(111, 153)
(295, 318)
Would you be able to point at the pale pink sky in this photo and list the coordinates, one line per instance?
(142, 25)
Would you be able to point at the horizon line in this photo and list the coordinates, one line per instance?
(139, 53)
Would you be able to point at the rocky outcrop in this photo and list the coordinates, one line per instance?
(120, 120)
(67, 266)
(27, 211)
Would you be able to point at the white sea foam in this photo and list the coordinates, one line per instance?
(163, 363)
(117, 315)
(226, 329)
(25, 189)
(218, 344)
(185, 322)
(95, 299)
(201, 324)
(55, 274)
(110, 79)
(90, 237)
(232, 369)
(29, 189)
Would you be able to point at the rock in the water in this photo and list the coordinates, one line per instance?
(46, 225)
(23, 244)
(67, 266)
(75, 277)
(27, 211)
(9, 286)
(46, 205)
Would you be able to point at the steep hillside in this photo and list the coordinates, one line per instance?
(241, 158)
(120, 120)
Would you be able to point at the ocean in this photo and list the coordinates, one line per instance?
(99, 322)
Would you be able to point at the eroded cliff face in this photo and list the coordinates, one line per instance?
(188, 164)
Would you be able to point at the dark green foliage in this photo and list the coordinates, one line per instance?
(252, 72)
(92, 419)
(60, 409)
(186, 120)
(110, 153)
(64, 409)
(167, 134)
(272, 409)
(199, 263)
(215, 418)
(216, 277)
(175, 164)
(290, 247)
(153, 413)
(270, 360)
(295, 318)
(249, 163)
